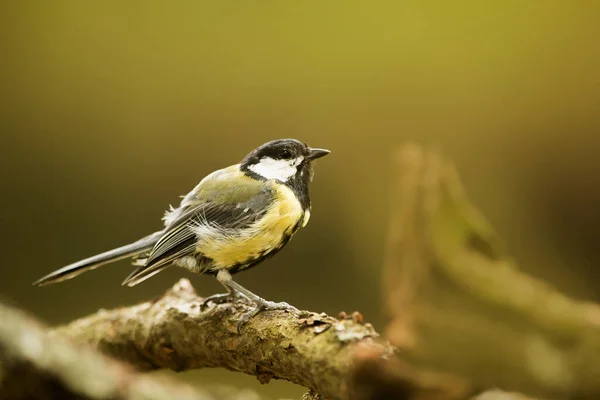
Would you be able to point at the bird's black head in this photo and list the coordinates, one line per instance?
(282, 159)
(286, 160)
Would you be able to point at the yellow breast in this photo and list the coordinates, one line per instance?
(262, 237)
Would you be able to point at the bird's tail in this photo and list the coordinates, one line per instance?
(141, 246)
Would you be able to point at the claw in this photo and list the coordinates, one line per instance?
(236, 289)
(264, 305)
(219, 298)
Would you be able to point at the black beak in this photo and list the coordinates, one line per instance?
(313, 154)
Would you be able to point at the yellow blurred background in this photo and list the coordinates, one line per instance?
(111, 110)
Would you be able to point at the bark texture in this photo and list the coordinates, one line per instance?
(34, 365)
(175, 332)
(336, 358)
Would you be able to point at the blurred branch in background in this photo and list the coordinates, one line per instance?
(460, 305)
(377, 377)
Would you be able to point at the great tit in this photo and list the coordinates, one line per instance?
(233, 219)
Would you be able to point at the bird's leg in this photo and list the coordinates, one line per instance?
(233, 287)
(221, 298)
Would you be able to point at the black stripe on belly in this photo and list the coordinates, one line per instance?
(263, 256)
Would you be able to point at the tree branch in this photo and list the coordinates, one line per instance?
(461, 304)
(173, 331)
(36, 366)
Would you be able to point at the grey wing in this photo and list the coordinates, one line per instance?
(179, 239)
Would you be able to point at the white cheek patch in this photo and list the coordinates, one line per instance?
(281, 170)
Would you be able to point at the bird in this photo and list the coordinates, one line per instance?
(234, 219)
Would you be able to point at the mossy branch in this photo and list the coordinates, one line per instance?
(175, 332)
(34, 365)
(335, 358)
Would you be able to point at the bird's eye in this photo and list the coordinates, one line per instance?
(285, 154)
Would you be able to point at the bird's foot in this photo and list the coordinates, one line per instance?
(220, 298)
(264, 305)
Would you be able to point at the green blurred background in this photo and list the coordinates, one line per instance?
(111, 110)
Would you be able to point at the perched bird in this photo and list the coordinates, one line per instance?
(232, 220)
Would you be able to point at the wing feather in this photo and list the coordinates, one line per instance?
(228, 201)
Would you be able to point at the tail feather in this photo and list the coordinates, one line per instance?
(143, 273)
(70, 271)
